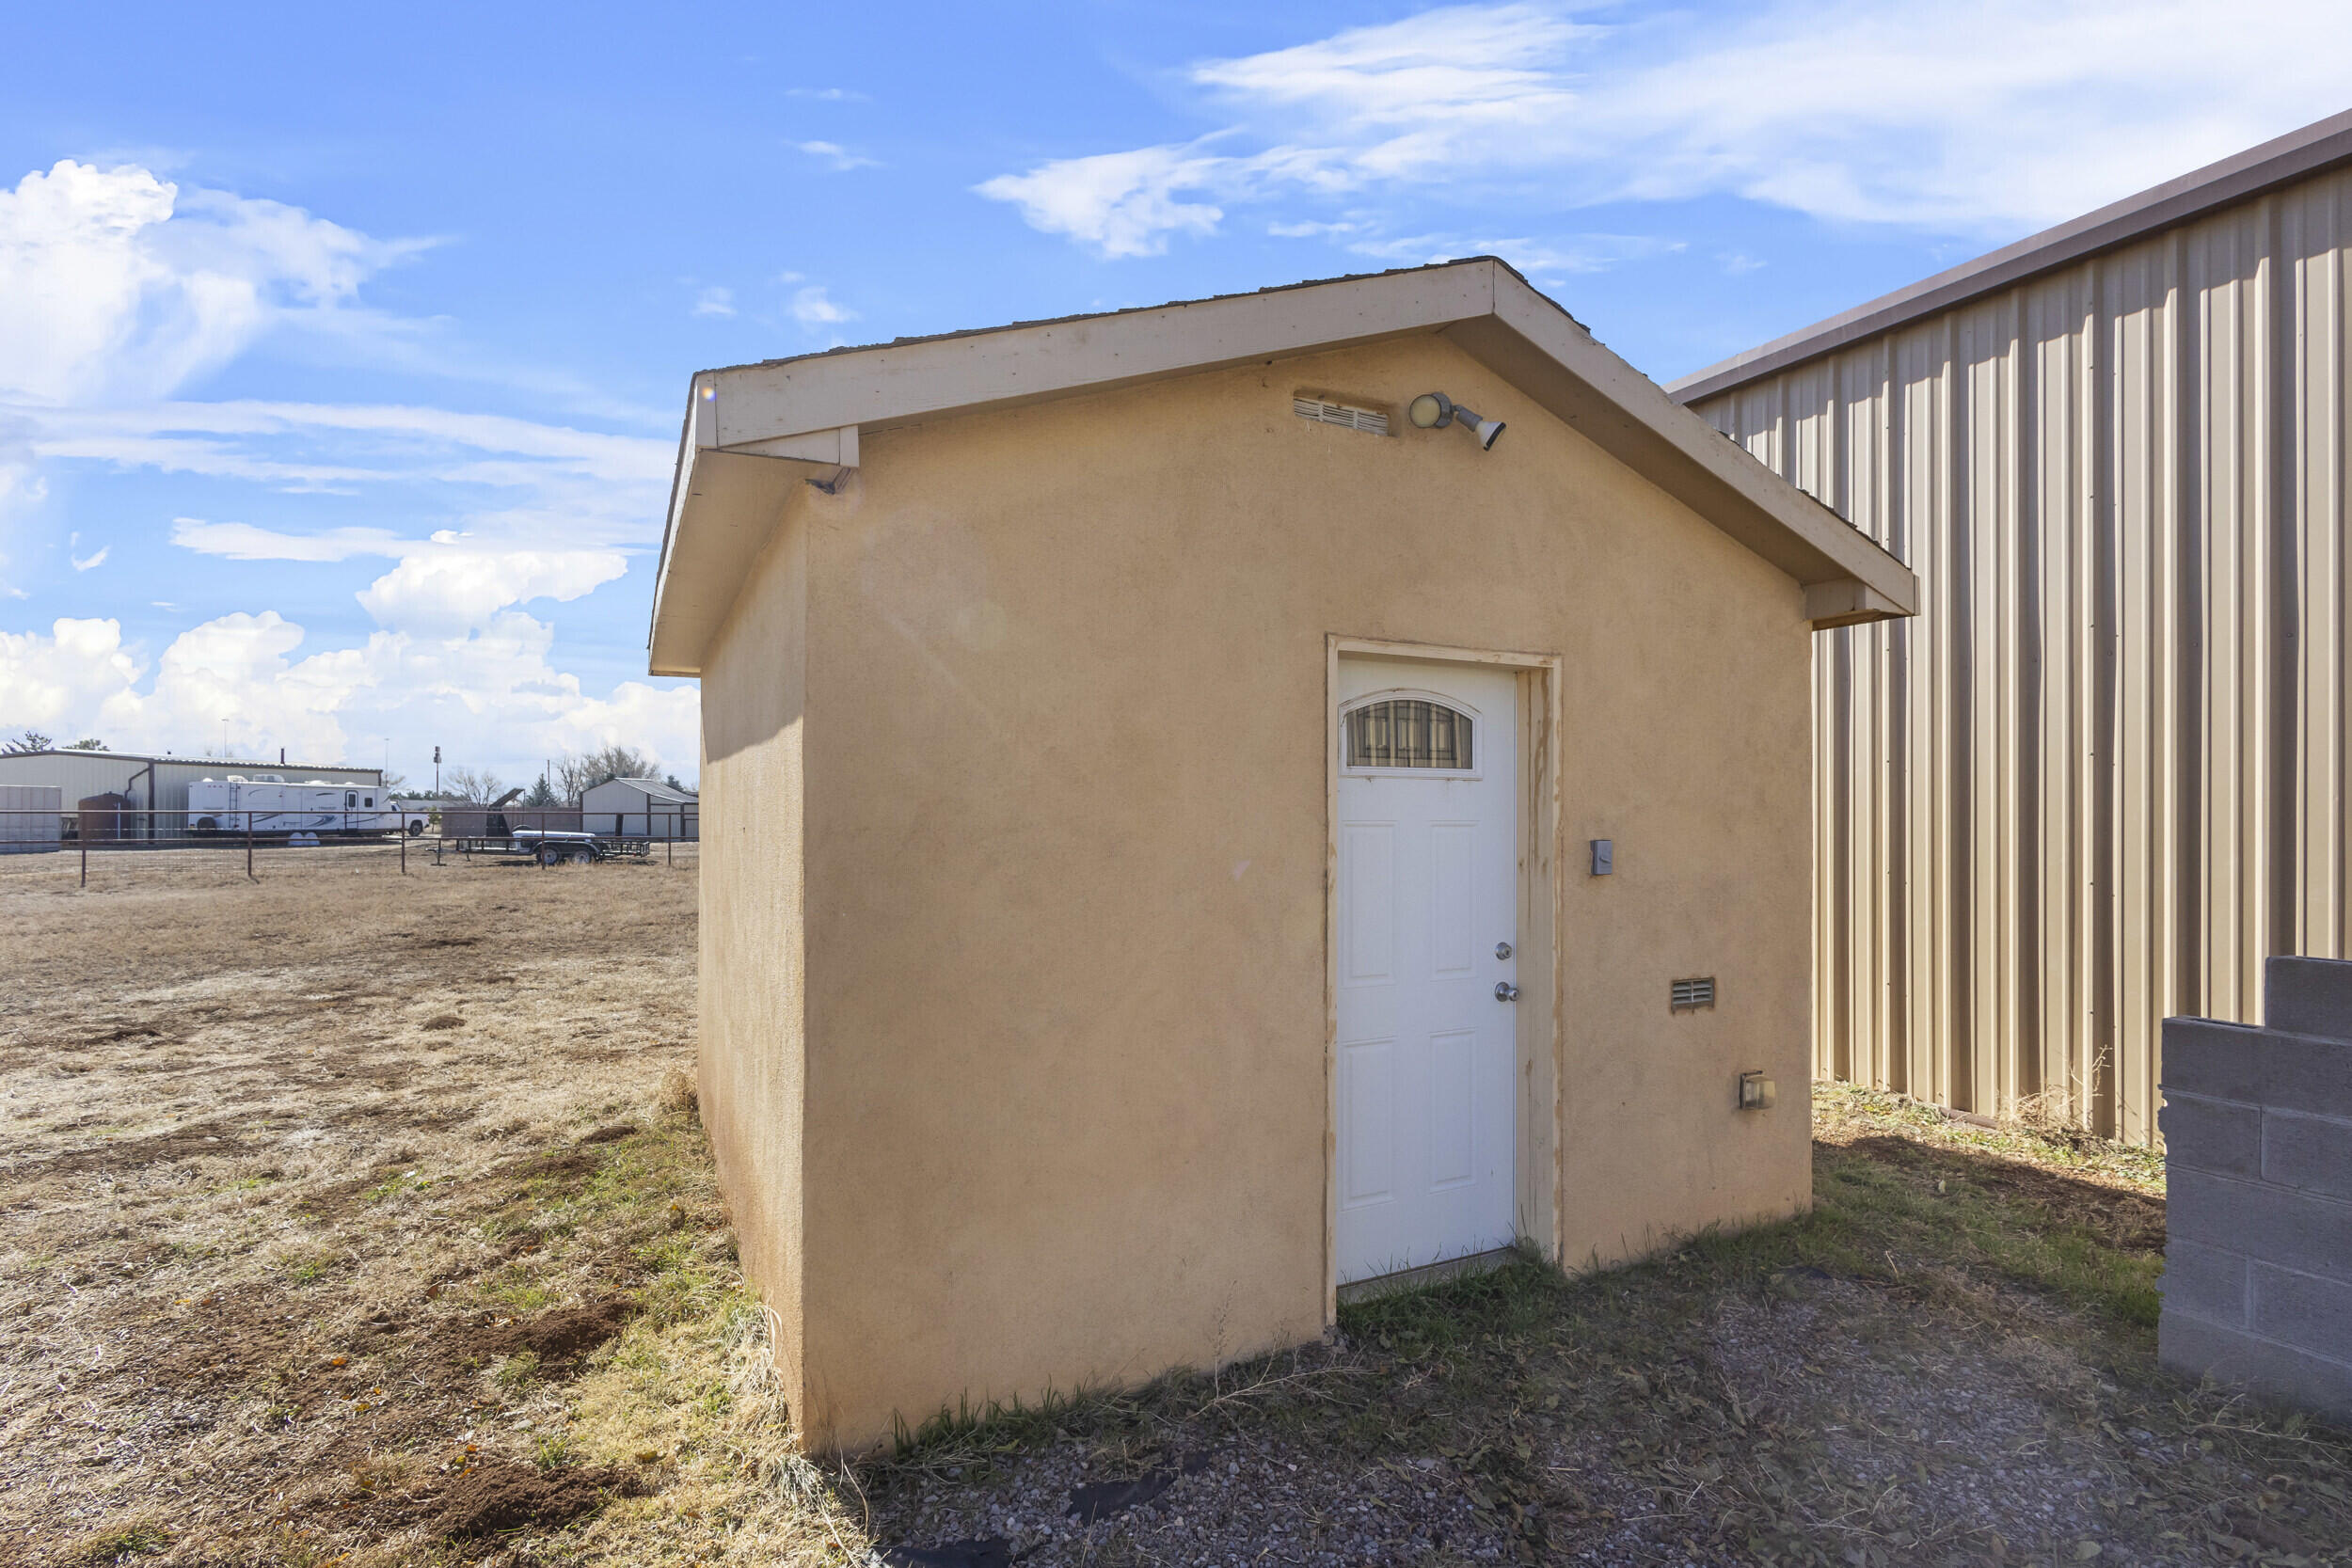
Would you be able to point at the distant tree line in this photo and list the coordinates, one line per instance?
(33, 740)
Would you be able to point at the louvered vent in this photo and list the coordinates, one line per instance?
(1689, 995)
(1368, 419)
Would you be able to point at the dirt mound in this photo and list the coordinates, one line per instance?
(557, 1335)
(499, 1495)
(612, 1134)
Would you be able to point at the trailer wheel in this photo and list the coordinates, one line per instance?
(582, 856)
(415, 830)
(550, 854)
(206, 825)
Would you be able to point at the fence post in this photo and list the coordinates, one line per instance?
(83, 839)
(403, 846)
(249, 849)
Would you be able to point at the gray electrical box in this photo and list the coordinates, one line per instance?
(1604, 856)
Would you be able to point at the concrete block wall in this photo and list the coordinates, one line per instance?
(2258, 1163)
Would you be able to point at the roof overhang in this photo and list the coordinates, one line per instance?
(755, 434)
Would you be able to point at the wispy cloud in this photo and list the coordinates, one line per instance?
(827, 95)
(835, 157)
(1966, 120)
(84, 563)
(714, 301)
(812, 307)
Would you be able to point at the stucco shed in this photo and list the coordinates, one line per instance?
(1150, 790)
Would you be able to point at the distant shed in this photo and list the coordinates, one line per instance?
(640, 808)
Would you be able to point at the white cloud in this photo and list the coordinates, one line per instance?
(117, 288)
(835, 156)
(115, 284)
(84, 563)
(448, 586)
(811, 306)
(715, 301)
(488, 692)
(1579, 253)
(1117, 203)
(1977, 119)
(243, 542)
(827, 95)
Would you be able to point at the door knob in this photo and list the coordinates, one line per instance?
(1506, 991)
(1503, 949)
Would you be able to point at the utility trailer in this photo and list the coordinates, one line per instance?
(269, 806)
(552, 846)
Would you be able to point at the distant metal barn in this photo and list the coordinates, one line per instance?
(640, 808)
(2101, 775)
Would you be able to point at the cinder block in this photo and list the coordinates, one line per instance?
(2308, 996)
(2296, 1230)
(2196, 1349)
(2204, 1282)
(2211, 1134)
(2259, 1067)
(2307, 1313)
(2303, 1073)
(2221, 1061)
(2312, 1154)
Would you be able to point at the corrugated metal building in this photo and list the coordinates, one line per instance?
(640, 808)
(156, 783)
(2102, 774)
(31, 819)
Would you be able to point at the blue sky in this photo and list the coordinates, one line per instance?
(342, 355)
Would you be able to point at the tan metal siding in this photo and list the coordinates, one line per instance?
(2103, 773)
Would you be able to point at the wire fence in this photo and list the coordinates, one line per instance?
(250, 839)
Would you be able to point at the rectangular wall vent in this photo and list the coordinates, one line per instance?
(1368, 420)
(1689, 995)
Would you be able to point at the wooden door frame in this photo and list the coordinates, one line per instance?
(1535, 1118)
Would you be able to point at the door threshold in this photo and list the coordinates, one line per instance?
(1428, 1273)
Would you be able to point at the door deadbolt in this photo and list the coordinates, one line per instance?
(1503, 949)
(1506, 991)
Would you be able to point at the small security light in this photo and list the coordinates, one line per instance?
(1435, 411)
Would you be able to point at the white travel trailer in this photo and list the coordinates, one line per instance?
(269, 804)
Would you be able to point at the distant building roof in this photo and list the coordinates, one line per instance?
(254, 764)
(654, 789)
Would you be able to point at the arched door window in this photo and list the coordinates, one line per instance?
(1408, 732)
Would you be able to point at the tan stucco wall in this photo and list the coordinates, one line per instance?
(753, 960)
(1066, 1104)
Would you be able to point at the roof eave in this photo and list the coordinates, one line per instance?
(754, 435)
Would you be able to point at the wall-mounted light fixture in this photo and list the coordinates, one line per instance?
(1435, 411)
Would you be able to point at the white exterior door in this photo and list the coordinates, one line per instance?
(1428, 901)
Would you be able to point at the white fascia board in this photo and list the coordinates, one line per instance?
(754, 433)
(896, 384)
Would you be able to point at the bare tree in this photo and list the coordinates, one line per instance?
(478, 788)
(576, 776)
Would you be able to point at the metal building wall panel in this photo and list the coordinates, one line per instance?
(2102, 774)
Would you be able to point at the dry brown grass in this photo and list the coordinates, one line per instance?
(326, 1198)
